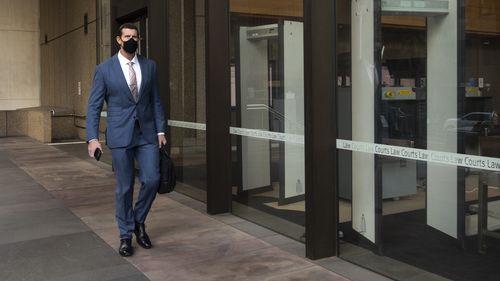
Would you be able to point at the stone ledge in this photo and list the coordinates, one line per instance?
(44, 124)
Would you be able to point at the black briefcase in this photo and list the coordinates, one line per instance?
(167, 172)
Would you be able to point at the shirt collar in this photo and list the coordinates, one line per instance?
(124, 60)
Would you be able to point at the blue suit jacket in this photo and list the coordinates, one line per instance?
(109, 85)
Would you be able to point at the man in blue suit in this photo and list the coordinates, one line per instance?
(135, 129)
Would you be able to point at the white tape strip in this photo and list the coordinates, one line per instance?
(290, 138)
(447, 158)
(260, 134)
(65, 143)
(187, 125)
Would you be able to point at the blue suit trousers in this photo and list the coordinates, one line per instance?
(147, 156)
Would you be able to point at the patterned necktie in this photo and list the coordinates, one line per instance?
(133, 81)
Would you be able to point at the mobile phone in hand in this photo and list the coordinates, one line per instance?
(97, 154)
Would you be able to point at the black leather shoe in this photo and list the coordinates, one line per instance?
(126, 249)
(141, 236)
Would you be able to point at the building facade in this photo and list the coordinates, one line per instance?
(366, 129)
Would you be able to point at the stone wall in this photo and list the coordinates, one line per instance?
(35, 124)
(70, 52)
(20, 59)
(3, 123)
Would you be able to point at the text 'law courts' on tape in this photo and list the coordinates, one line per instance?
(447, 158)
(253, 133)
(440, 157)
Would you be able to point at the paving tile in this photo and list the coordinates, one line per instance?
(195, 234)
(295, 248)
(228, 218)
(349, 270)
(122, 272)
(197, 205)
(188, 243)
(136, 277)
(54, 173)
(18, 183)
(39, 160)
(95, 195)
(31, 206)
(179, 216)
(103, 220)
(57, 179)
(93, 210)
(23, 195)
(194, 193)
(24, 184)
(308, 274)
(110, 235)
(257, 264)
(102, 216)
(175, 254)
(162, 203)
(76, 256)
(28, 225)
(179, 197)
(278, 240)
(349, 249)
(9, 176)
(427, 277)
(80, 150)
(13, 182)
(43, 160)
(386, 265)
(253, 229)
(5, 162)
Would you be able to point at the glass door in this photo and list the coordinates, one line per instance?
(188, 96)
(268, 115)
(404, 88)
(410, 127)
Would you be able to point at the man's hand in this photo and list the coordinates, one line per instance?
(93, 145)
(162, 140)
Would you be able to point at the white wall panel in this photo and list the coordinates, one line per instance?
(442, 87)
(363, 165)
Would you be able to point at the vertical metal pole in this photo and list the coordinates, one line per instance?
(460, 111)
(218, 105)
(482, 213)
(379, 205)
(321, 128)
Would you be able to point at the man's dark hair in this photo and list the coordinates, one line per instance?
(127, 25)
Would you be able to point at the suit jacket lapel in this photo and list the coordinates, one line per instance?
(117, 68)
(144, 74)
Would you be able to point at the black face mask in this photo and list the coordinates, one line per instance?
(130, 46)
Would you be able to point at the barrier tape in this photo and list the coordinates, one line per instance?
(439, 157)
(254, 133)
(187, 125)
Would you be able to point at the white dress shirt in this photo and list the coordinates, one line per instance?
(125, 68)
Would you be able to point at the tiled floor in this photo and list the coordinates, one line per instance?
(40, 239)
(57, 214)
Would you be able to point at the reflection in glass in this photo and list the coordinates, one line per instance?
(428, 218)
(187, 97)
(267, 99)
